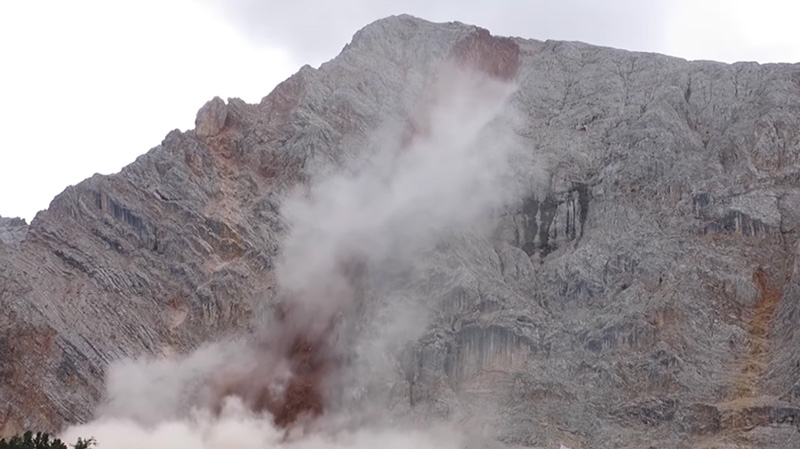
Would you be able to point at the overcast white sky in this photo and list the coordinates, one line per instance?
(88, 85)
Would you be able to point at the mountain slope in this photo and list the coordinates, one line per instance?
(643, 291)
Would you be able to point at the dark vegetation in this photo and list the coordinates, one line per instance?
(42, 441)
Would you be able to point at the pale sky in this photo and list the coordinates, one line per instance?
(89, 85)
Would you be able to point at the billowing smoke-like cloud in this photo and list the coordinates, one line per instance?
(400, 202)
(386, 212)
(346, 230)
(237, 427)
(151, 391)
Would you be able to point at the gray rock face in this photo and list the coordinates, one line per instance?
(645, 294)
(12, 230)
(211, 118)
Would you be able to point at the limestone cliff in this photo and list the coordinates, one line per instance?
(647, 295)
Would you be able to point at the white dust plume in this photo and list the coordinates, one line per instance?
(458, 169)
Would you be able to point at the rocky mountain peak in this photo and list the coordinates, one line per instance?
(555, 241)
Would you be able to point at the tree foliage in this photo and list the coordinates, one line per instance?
(42, 441)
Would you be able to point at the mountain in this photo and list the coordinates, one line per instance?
(639, 290)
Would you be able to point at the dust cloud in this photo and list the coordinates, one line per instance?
(347, 228)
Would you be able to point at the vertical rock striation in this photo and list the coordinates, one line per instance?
(643, 294)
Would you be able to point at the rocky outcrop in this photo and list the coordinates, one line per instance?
(12, 230)
(211, 118)
(645, 294)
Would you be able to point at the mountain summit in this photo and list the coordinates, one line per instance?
(551, 241)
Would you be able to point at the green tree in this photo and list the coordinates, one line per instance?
(42, 441)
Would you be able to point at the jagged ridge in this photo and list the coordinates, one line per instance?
(619, 305)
